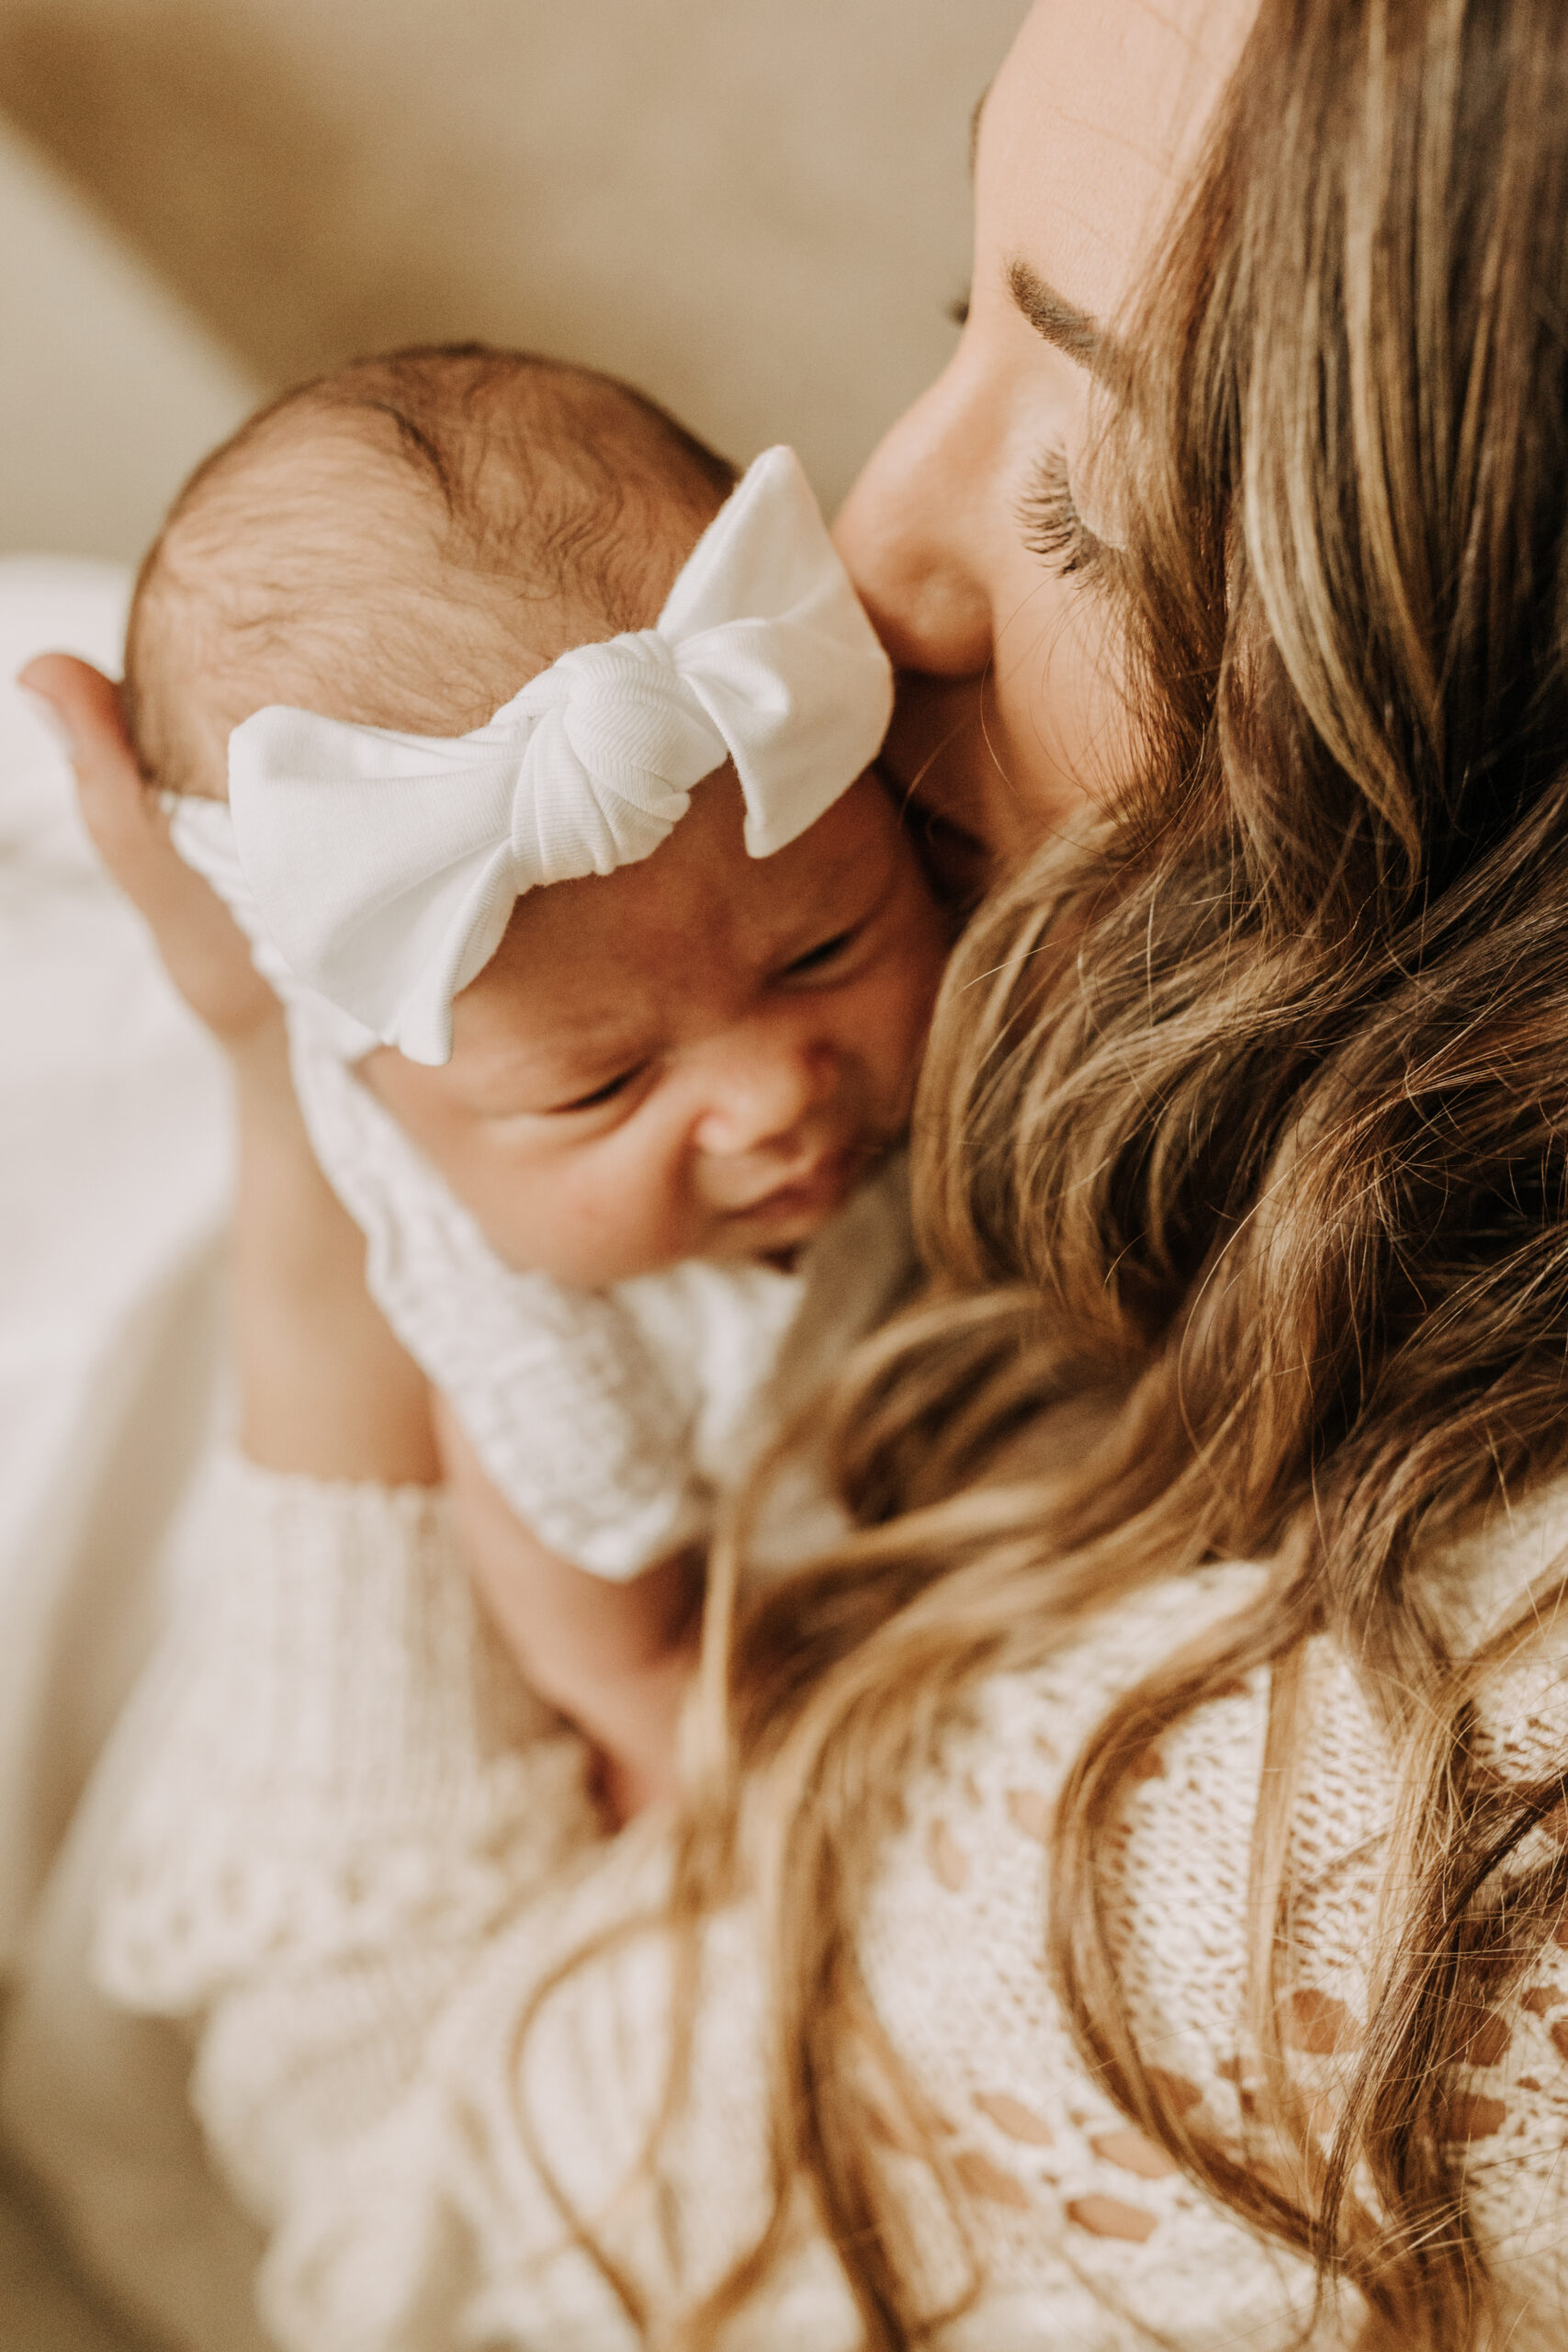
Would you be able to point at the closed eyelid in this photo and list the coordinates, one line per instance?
(597, 1097)
(542, 1100)
(812, 958)
(1053, 528)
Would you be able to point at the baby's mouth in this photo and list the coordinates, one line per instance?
(817, 1189)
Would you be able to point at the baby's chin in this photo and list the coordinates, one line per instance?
(775, 1240)
(773, 1237)
(771, 1234)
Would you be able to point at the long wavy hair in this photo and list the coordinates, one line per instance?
(1244, 1132)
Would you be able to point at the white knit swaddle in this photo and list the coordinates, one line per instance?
(613, 1420)
(373, 875)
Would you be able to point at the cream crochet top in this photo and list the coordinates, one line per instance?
(357, 1845)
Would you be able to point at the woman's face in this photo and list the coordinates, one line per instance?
(974, 531)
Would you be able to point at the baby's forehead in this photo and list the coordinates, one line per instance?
(584, 945)
(700, 895)
(601, 955)
(563, 997)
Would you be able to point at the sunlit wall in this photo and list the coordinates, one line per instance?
(756, 208)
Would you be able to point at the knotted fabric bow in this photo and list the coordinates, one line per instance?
(383, 869)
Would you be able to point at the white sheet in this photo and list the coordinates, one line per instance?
(114, 1182)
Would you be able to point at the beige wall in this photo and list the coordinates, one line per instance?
(754, 208)
(108, 388)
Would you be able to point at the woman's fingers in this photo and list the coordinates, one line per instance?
(205, 953)
(115, 805)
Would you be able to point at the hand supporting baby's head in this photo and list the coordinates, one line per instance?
(403, 544)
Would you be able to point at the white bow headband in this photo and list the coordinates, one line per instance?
(381, 869)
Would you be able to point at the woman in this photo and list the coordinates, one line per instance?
(1078, 1934)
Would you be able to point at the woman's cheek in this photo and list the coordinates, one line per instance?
(1060, 702)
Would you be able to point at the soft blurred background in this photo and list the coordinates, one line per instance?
(756, 210)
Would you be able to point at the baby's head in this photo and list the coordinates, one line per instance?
(405, 543)
(695, 1055)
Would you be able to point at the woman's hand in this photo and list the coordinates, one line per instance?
(202, 948)
(324, 1388)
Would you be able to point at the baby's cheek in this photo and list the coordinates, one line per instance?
(589, 1226)
(625, 1221)
(892, 1031)
(511, 1198)
(511, 1223)
(601, 1214)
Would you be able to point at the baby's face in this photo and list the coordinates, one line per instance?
(695, 1057)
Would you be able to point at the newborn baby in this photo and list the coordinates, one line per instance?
(606, 962)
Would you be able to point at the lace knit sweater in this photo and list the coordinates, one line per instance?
(355, 1846)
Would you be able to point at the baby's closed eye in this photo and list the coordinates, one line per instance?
(607, 1092)
(824, 952)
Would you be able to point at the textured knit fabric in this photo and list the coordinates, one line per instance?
(355, 1851)
(611, 1420)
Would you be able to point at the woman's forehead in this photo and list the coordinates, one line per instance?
(1089, 128)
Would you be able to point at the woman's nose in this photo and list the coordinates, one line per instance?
(758, 1090)
(904, 532)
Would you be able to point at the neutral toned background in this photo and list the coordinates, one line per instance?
(755, 209)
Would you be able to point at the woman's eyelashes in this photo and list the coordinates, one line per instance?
(958, 308)
(1053, 528)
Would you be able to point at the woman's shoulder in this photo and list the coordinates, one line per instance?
(977, 1822)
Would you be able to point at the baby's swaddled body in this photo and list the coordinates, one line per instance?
(614, 1422)
(615, 1419)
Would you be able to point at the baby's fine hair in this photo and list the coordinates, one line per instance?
(404, 543)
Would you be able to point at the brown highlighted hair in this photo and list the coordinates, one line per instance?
(1245, 1132)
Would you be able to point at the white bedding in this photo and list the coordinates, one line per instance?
(113, 1178)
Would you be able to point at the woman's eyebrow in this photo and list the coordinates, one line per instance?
(1060, 322)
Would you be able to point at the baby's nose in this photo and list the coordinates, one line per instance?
(759, 1091)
